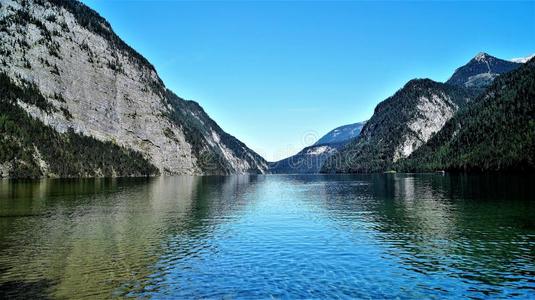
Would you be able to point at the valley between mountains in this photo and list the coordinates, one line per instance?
(77, 101)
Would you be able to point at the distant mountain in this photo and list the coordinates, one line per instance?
(311, 159)
(523, 60)
(77, 101)
(341, 134)
(399, 125)
(495, 132)
(480, 71)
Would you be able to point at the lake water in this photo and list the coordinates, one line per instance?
(366, 236)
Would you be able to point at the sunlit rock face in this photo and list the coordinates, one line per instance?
(399, 126)
(433, 113)
(100, 87)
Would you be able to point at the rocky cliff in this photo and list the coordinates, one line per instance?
(91, 84)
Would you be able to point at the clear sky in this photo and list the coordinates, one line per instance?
(278, 74)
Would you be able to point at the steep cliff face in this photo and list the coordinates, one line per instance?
(399, 126)
(95, 85)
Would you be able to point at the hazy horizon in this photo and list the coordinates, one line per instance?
(278, 75)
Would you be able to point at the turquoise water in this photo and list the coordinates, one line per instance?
(367, 236)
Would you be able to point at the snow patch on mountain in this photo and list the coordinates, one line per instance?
(319, 150)
(523, 60)
(481, 56)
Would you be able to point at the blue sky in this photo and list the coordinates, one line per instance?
(275, 74)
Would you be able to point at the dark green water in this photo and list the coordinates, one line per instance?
(369, 236)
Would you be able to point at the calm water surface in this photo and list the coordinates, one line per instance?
(372, 236)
